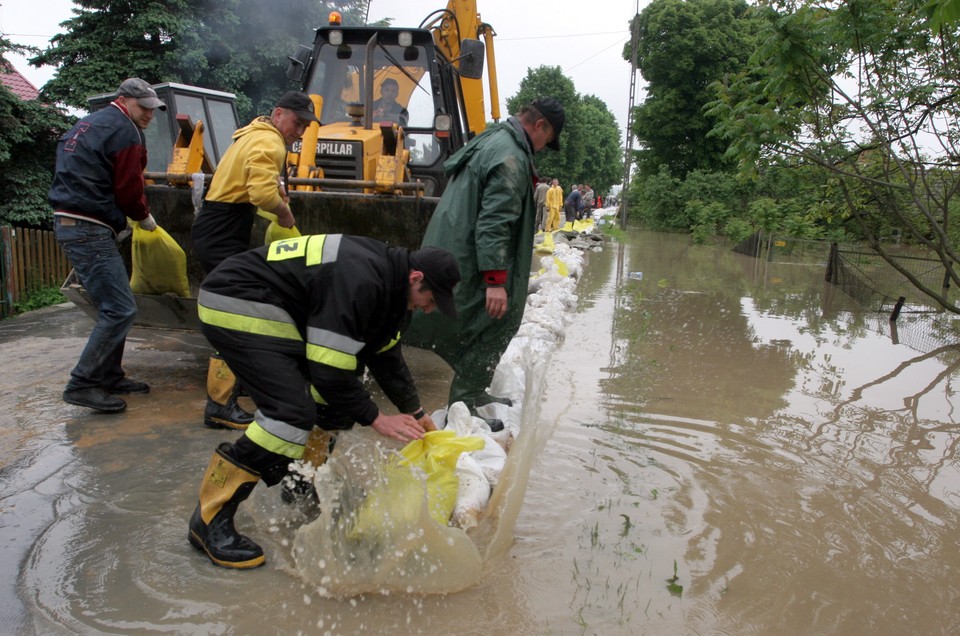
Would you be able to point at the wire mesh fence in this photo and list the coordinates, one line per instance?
(903, 312)
(878, 285)
(784, 249)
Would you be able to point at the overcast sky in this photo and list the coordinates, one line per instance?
(585, 39)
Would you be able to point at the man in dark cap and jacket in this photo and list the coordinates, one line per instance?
(298, 321)
(97, 186)
(486, 217)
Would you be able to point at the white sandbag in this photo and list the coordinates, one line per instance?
(473, 493)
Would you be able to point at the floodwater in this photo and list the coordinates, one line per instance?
(737, 450)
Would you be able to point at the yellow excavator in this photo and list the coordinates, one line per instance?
(374, 163)
(394, 104)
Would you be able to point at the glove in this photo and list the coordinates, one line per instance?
(148, 224)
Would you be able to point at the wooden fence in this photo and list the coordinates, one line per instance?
(31, 260)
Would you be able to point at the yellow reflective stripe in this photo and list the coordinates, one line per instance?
(315, 249)
(331, 357)
(249, 324)
(309, 247)
(287, 248)
(390, 345)
(316, 395)
(267, 440)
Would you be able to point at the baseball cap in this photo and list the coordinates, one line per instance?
(299, 103)
(552, 109)
(441, 273)
(142, 92)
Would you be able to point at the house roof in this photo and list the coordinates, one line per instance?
(17, 83)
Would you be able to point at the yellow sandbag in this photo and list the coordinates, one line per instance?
(436, 455)
(394, 505)
(582, 225)
(547, 246)
(275, 231)
(159, 264)
(562, 268)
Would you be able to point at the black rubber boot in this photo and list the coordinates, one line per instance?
(475, 402)
(485, 398)
(225, 485)
(222, 410)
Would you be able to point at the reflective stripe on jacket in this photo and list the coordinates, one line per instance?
(344, 297)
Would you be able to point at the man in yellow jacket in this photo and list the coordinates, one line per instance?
(554, 203)
(248, 177)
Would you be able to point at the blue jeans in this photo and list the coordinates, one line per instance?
(93, 253)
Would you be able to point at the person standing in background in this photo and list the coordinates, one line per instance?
(573, 205)
(554, 203)
(540, 198)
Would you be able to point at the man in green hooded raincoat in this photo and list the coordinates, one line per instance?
(486, 217)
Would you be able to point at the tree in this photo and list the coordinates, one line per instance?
(602, 150)
(867, 93)
(590, 143)
(238, 46)
(682, 48)
(107, 41)
(29, 131)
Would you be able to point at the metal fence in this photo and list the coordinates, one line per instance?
(31, 260)
(876, 285)
(784, 249)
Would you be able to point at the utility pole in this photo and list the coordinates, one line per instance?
(628, 152)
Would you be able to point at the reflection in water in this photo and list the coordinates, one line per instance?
(738, 450)
(795, 467)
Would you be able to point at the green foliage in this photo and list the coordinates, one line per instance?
(590, 144)
(39, 298)
(862, 97)
(601, 150)
(109, 40)
(238, 46)
(673, 587)
(683, 47)
(29, 131)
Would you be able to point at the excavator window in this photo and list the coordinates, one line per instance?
(338, 76)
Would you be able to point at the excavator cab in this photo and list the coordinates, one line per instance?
(396, 77)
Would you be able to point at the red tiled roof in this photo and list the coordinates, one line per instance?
(17, 83)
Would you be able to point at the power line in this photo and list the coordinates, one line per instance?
(572, 35)
(595, 55)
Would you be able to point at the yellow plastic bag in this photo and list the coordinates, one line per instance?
(159, 264)
(275, 231)
(436, 455)
(394, 505)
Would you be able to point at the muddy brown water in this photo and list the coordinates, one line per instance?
(738, 450)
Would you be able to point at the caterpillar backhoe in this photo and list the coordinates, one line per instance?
(363, 169)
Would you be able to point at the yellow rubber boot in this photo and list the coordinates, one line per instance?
(225, 485)
(222, 410)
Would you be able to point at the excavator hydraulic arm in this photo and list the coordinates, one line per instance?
(461, 21)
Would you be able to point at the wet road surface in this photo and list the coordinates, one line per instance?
(738, 450)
